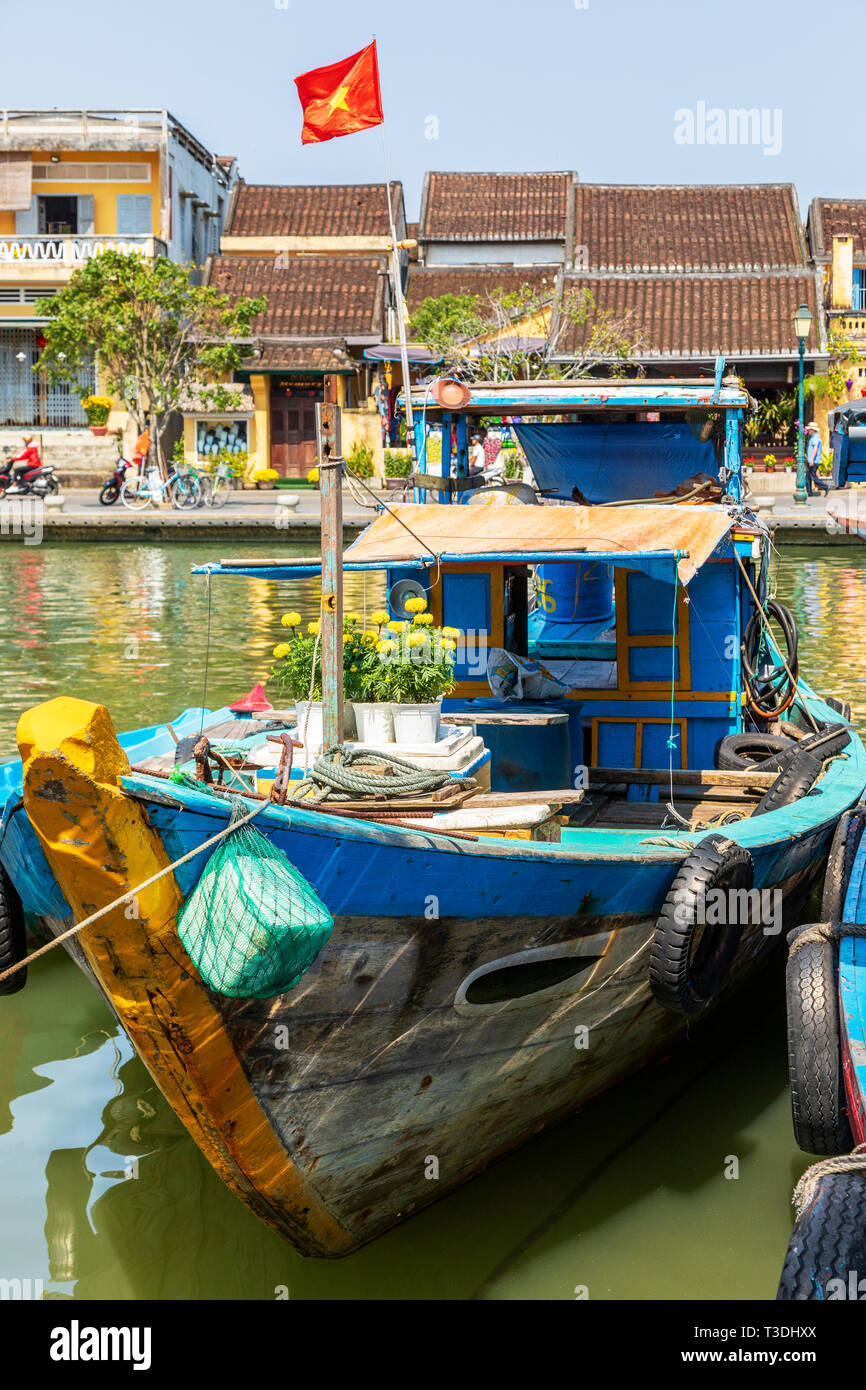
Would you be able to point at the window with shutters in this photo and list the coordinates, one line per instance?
(134, 214)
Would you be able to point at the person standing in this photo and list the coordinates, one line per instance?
(814, 455)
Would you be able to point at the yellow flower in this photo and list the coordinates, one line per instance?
(370, 636)
(291, 620)
(415, 605)
(418, 639)
(347, 637)
(451, 632)
(380, 616)
(282, 650)
(353, 668)
(313, 475)
(423, 619)
(396, 627)
(448, 645)
(353, 618)
(312, 628)
(385, 646)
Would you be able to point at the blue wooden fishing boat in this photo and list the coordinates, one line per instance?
(476, 987)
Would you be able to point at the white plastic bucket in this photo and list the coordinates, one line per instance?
(417, 723)
(374, 722)
(315, 731)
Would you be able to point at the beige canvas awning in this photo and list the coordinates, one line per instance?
(688, 533)
(16, 182)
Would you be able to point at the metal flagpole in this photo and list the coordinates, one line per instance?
(398, 296)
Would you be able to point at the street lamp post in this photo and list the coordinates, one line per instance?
(802, 328)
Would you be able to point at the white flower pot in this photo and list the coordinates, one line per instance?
(417, 723)
(374, 722)
(315, 725)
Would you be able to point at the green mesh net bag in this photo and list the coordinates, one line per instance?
(252, 925)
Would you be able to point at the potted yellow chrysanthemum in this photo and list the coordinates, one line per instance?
(417, 660)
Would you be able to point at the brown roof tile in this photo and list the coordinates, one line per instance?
(495, 207)
(829, 217)
(300, 357)
(429, 282)
(338, 209)
(683, 316)
(691, 227)
(327, 296)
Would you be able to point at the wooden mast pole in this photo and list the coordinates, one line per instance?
(328, 428)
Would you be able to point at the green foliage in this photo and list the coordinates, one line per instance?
(178, 454)
(398, 463)
(153, 331)
(440, 321)
(360, 460)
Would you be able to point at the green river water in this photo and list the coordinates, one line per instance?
(103, 1194)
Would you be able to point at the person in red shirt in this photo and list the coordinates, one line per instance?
(30, 457)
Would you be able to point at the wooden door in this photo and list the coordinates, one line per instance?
(293, 434)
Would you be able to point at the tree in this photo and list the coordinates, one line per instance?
(521, 335)
(153, 332)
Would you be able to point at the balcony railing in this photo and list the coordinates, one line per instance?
(73, 251)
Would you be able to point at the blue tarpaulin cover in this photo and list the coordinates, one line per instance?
(610, 462)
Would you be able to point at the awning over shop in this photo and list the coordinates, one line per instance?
(390, 352)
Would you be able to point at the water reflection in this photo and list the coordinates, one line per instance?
(126, 625)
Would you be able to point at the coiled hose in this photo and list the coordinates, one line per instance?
(338, 775)
(771, 693)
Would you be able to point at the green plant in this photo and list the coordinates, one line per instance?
(234, 464)
(751, 430)
(770, 460)
(416, 659)
(293, 668)
(178, 453)
(398, 463)
(360, 460)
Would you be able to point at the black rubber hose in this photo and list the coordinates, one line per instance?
(777, 689)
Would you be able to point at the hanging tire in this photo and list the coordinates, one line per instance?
(832, 739)
(750, 752)
(690, 958)
(840, 862)
(818, 1107)
(828, 1242)
(840, 706)
(796, 779)
(13, 935)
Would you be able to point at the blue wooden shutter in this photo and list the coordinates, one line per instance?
(85, 214)
(27, 221)
(134, 214)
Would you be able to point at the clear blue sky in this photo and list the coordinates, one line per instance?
(540, 84)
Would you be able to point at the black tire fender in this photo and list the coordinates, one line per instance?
(13, 935)
(690, 957)
(798, 777)
(828, 1242)
(749, 752)
(829, 741)
(818, 1107)
(840, 862)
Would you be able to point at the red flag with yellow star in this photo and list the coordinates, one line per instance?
(341, 98)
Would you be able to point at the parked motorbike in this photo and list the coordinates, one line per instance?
(31, 477)
(111, 490)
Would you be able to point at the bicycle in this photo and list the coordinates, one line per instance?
(182, 488)
(215, 486)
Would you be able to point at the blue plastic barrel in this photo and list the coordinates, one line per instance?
(577, 592)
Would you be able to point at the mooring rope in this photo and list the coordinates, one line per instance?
(795, 683)
(825, 931)
(133, 892)
(854, 1162)
(333, 776)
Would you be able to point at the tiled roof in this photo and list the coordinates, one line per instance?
(297, 356)
(495, 207)
(338, 209)
(691, 227)
(829, 217)
(321, 296)
(412, 235)
(681, 316)
(429, 282)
